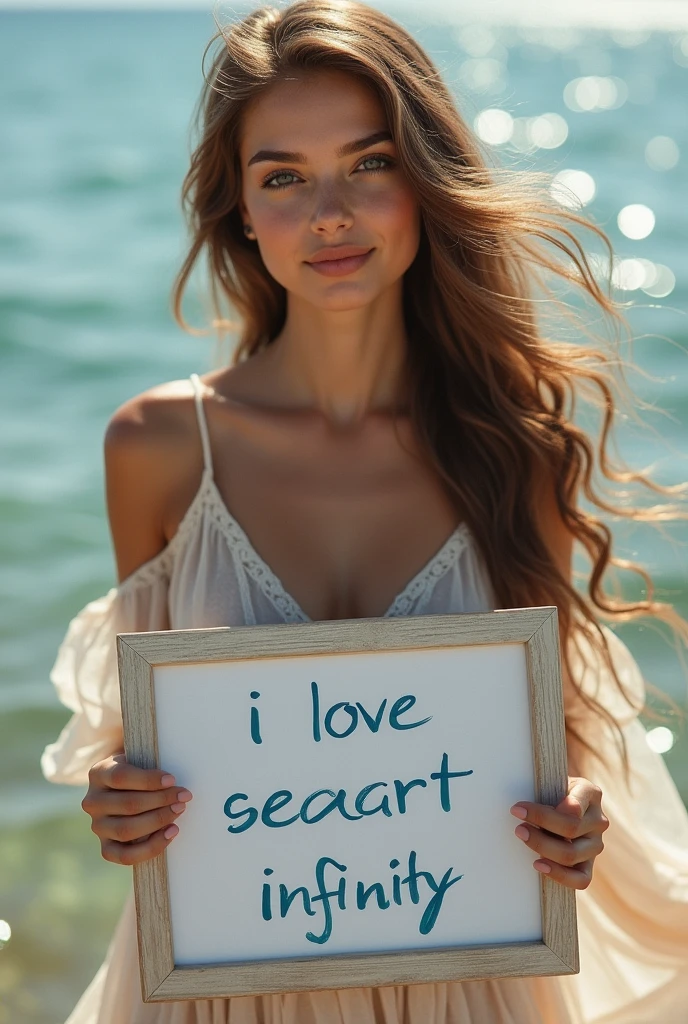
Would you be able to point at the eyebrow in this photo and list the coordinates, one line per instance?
(284, 156)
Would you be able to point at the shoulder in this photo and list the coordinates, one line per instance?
(153, 462)
(159, 416)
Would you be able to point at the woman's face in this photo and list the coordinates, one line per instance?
(319, 170)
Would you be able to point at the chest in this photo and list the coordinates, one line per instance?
(343, 519)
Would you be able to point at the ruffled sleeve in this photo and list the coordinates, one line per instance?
(633, 917)
(85, 671)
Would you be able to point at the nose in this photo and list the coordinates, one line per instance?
(331, 212)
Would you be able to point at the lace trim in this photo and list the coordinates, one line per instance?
(160, 566)
(256, 567)
(416, 592)
(419, 589)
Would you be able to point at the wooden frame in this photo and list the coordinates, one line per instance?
(537, 628)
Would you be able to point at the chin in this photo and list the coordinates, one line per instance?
(342, 303)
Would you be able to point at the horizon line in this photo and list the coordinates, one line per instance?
(625, 15)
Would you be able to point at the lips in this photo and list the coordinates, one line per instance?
(340, 265)
(339, 252)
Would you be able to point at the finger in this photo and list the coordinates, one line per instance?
(579, 877)
(119, 774)
(566, 852)
(581, 794)
(136, 826)
(117, 802)
(570, 824)
(136, 853)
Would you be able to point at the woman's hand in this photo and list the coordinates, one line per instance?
(133, 809)
(568, 837)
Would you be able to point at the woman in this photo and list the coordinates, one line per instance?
(394, 439)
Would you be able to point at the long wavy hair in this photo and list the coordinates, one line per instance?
(492, 397)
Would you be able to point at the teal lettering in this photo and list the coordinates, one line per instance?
(336, 802)
(315, 702)
(266, 907)
(351, 712)
(373, 723)
(396, 883)
(427, 921)
(444, 775)
(287, 898)
(400, 707)
(402, 788)
(255, 720)
(412, 879)
(363, 895)
(273, 803)
(325, 896)
(382, 806)
(250, 812)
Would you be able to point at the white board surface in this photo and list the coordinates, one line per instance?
(476, 701)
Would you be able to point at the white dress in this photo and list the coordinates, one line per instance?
(633, 918)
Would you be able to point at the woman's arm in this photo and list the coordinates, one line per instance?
(568, 837)
(141, 473)
(133, 810)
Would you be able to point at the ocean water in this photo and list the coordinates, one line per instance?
(95, 109)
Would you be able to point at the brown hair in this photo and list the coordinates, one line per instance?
(492, 396)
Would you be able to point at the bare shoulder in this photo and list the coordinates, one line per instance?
(146, 419)
(152, 459)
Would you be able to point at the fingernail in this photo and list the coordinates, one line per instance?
(519, 812)
(184, 795)
(522, 832)
(170, 831)
(178, 808)
(540, 865)
(167, 780)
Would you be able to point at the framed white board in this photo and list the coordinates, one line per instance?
(352, 781)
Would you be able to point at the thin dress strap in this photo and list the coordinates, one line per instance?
(202, 424)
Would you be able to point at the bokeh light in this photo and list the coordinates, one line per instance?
(594, 93)
(681, 51)
(5, 933)
(548, 131)
(629, 275)
(482, 74)
(573, 189)
(634, 274)
(636, 221)
(494, 126)
(477, 40)
(660, 739)
(628, 38)
(662, 284)
(662, 153)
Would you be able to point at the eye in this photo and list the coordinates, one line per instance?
(387, 162)
(274, 176)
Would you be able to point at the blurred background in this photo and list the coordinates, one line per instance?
(95, 107)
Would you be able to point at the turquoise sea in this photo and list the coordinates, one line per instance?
(95, 109)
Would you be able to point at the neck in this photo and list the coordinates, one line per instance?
(344, 364)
